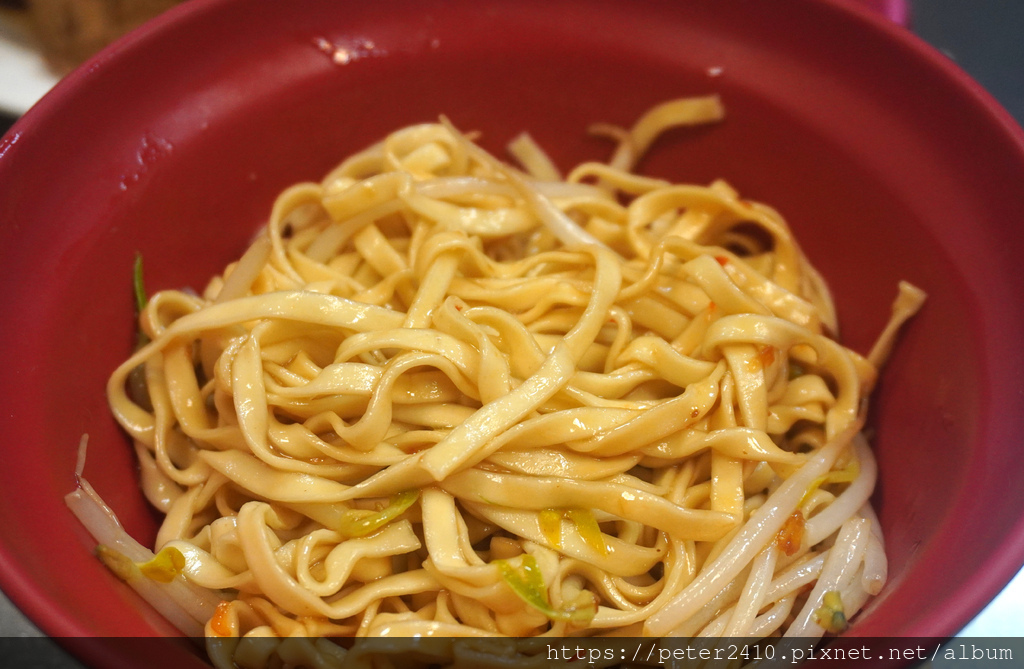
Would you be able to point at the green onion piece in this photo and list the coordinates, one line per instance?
(359, 522)
(137, 378)
(165, 566)
(550, 521)
(586, 523)
(551, 526)
(141, 298)
(831, 616)
(847, 474)
(528, 584)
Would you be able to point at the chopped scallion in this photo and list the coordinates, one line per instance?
(831, 616)
(527, 583)
(359, 522)
(141, 297)
(165, 566)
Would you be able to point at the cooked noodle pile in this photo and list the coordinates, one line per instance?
(442, 396)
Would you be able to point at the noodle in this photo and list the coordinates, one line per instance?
(440, 396)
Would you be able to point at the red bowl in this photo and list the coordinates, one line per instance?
(888, 161)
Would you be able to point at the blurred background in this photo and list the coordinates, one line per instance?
(40, 40)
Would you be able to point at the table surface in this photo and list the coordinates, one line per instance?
(981, 36)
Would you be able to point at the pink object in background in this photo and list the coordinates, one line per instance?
(896, 11)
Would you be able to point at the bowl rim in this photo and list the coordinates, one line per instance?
(1002, 564)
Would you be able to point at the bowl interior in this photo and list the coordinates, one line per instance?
(887, 162)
